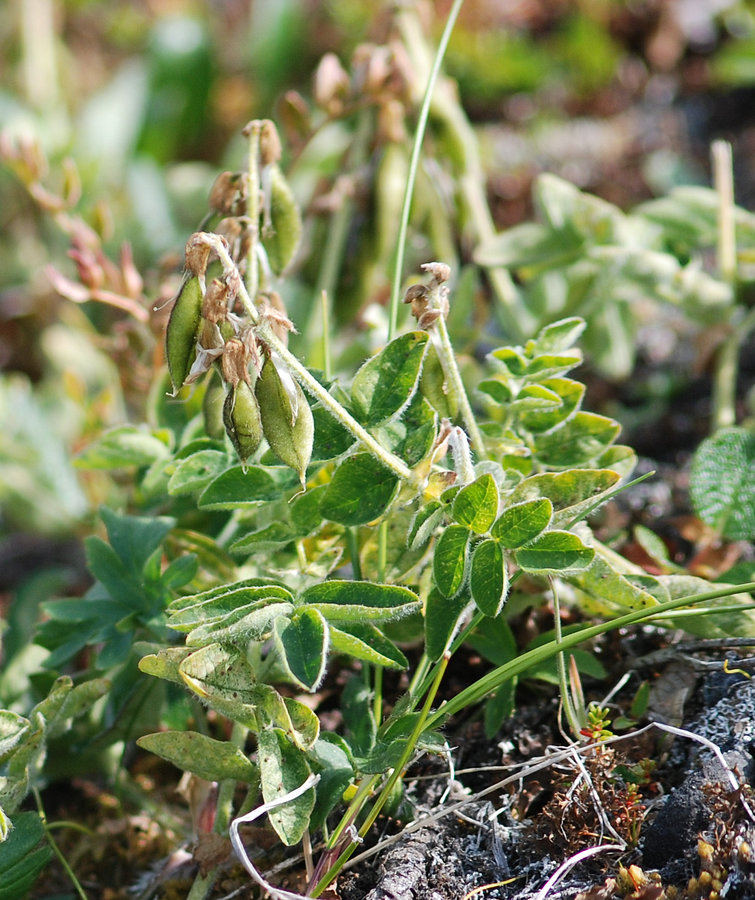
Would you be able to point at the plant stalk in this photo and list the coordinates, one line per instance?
(419, 136)
(396, 774)
(514, 316)
(451, 368)
(492, 680)
(203, 884)
(727, 359)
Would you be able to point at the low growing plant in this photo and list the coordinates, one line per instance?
(294, 523)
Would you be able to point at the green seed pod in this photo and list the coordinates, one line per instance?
(182, 332)
(212, 406)
(241, 416)
(282, 237)
(286, 418)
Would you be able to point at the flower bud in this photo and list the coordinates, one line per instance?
(182, 331)
(286, 417)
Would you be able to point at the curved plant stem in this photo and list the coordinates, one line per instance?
(492, 680)
(395, 776)
(451, 369)
(253, 206)
(514, 316)
(727, 359)
(419, 136)
(333, 251)
(56, 850)
(566, 699)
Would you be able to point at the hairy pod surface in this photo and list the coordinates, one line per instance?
(285, 221)
(213, 404)
(182, 332)
(241, 416)
(286, 420)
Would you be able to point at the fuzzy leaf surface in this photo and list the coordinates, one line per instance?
(450, 560)
(522, 522)
(476, 505)
(360, 601)
(361, 490)
(195, 472)
(386, 383)
(203, 756)
(366, 642)
(283, 768)
(303, 641)
(722, 483)
(555, 552)
(442, 617)
(488, 577)
(236, 488)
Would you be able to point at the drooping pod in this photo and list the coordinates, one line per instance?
(286, 417)
(282, 228)
(241, 417)
(182, 332)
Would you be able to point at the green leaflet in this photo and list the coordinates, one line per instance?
(365, 641)
(360, 491)
(442, 618)
(488, 577)
(303, 643)
(522, 522)
(360, 601)
(386, 382)
(450, 560)
(203, 756)
(476, 504)
(555, 552)
(722, 483)
(283, 769)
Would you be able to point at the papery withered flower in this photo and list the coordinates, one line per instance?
(418, 296)
(270, 143)
(228, 193)
(89, 269)
(232, 229)
(216, 301)
(197, 252)
(372, 66)
(331, 84)
(439, 271)
(235, 362)
(273, 311)
(133, 284)
(294, 118)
